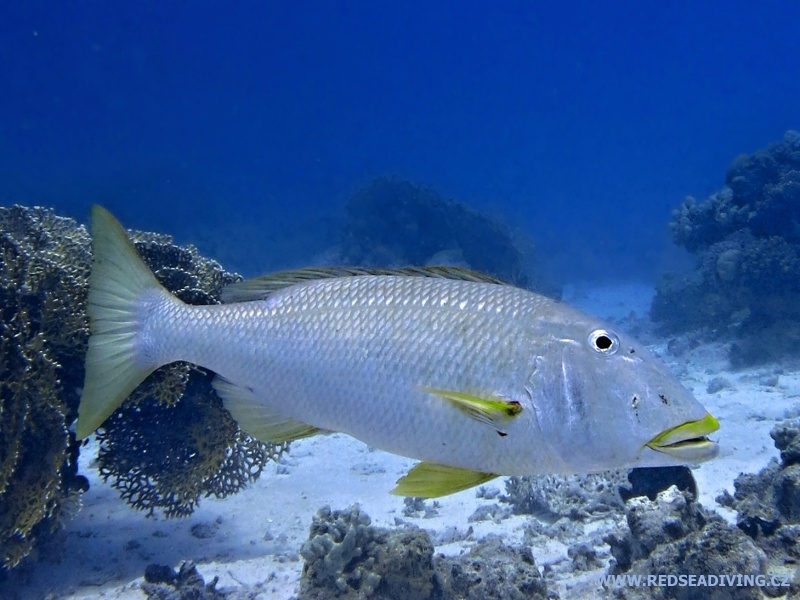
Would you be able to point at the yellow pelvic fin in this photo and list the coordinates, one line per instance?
(119, 279)
(429, 480)
(257, 419)
(492, 411)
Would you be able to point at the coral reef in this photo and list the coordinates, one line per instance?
(674, 536)
(584, 557)
(397, 223)
(761, 195)
(746, 286)
(170, 443)
(491, 569)
(193, 448)
(43, 285)
(346, 557)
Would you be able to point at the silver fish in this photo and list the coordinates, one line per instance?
(474, 378)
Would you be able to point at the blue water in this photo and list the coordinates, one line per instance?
(581, 123)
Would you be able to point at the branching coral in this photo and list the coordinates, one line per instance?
(193, 448)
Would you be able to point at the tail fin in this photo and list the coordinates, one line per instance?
(119, 277)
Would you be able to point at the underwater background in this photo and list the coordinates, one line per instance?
(639, 161)
(245, 126)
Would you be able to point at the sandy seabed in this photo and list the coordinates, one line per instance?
(252, 540)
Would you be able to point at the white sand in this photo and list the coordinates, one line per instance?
(255, 536)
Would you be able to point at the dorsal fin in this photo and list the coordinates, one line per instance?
(259, 288)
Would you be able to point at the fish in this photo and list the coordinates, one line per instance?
(472, 377)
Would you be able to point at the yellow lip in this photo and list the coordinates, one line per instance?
(688, 441)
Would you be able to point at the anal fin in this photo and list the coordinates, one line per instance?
(429, 480)
(257, 419)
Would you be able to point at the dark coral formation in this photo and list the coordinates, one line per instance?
(164, 583)
(43, 278)
(346, 557)
(187, 457)
(746, 238)
(397, 223)
(761, 195)
(170, 444)
(650, 481)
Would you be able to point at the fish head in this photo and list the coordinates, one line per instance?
(603, 401)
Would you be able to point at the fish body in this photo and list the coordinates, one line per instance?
(473, 378)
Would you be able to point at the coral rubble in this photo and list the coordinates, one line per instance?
(348, 558)
(491, 569)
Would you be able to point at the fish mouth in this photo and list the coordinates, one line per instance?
(688, 441)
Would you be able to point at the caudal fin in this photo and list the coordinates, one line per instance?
(119, 278)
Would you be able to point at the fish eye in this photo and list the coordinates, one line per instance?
(604, 342)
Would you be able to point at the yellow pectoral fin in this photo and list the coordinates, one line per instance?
(428, 480)
(492, 411)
